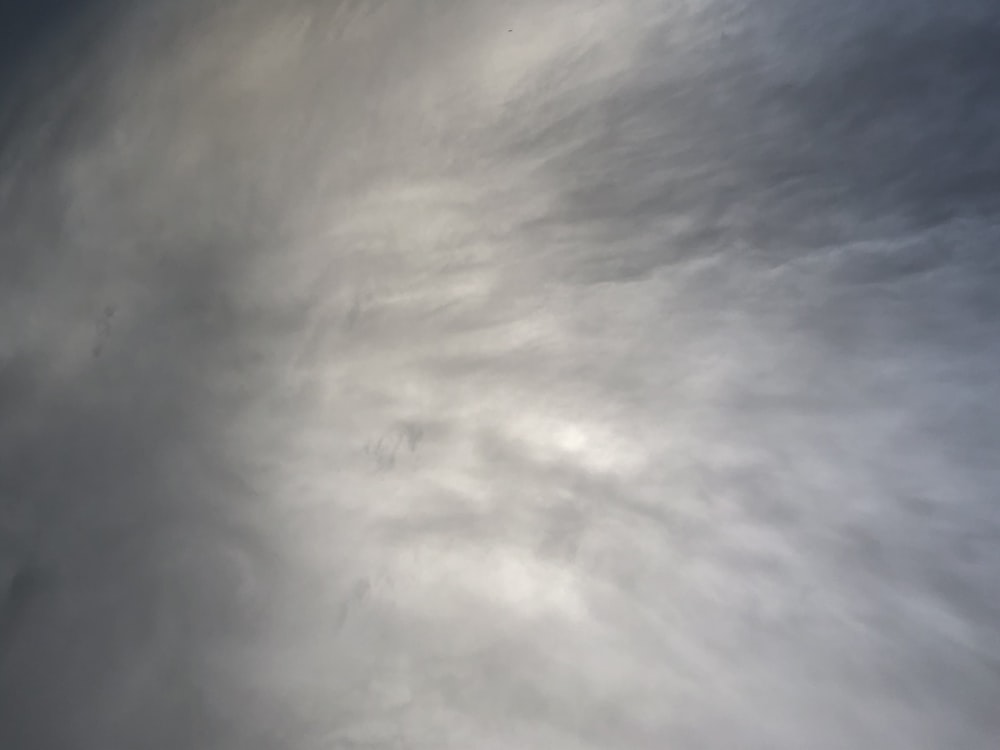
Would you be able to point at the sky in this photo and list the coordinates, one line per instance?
(574, 375)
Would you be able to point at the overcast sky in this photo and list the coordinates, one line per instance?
(487, 375)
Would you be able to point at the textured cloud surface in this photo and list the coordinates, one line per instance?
(565, 375)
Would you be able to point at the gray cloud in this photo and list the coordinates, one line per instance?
(489, 375)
